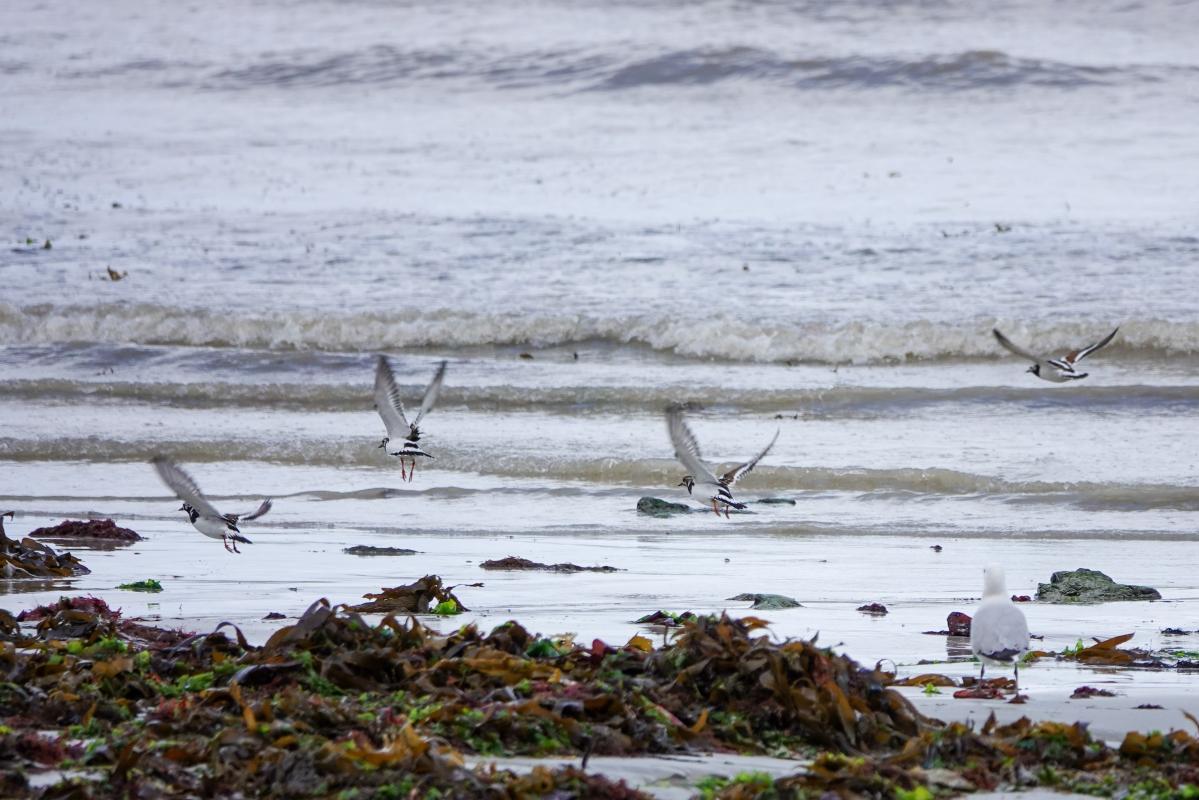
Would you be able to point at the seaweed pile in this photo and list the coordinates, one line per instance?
(334, 706)
(30, 559)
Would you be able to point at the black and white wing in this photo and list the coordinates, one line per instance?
(1079, 355)
(388, 402)
(434, 389)
(736, 473)
(1014, 348)
(262, 509)
(184, 487)
(686, 448)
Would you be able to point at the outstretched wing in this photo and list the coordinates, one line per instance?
(262, 509)
(1079, 355)
(184, 487)
(1013, 348)
(686, 448)
(426, 403)
(738, 472)
(387, 400)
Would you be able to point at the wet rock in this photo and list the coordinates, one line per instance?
(515, 564)
(775, 501)
(1175, 632)
(768, 601)
(958, 623)
(873, 608)
(104, 529)
(368, 550)
(661, 508)
(1085, 692)
(1090, 586)
(275, 615)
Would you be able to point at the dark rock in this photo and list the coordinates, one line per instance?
(1021, 598)
(368, 550)
(88, 529)
(275, 615)
(936, 548)
(1084, 692)
(873, 608)
(1090, 586)
(775, 501)
(661, 508)
(515, 564)
(958, 623)
(768, 602)
(1174, 632)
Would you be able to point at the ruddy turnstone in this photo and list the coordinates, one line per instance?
(1057, 370)
(391, 409)
(686, 449)
(999, 631)
(206, 519)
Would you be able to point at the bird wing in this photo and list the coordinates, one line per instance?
(434, 389)
(388, 402)
(262, 509)
(736, 473)
(998, 629)
(1013, 348)
(184, 487)
(1079, 355)
(686, 448)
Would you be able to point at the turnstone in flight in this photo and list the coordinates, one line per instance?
(686, 449)
(999, 631)
(391, 409)
(1057, 370)
(204, 517)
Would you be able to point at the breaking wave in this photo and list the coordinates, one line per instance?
(716, 337)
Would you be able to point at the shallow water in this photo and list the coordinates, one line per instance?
(803, 217)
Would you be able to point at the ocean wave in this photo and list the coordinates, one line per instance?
(830, 402)
(897, 484)
(589, 69)
(719, 336)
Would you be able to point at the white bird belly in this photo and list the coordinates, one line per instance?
(217, 529)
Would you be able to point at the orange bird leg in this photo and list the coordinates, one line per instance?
(412, 470)
(403, 472)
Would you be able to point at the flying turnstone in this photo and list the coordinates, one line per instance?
(204, 517)
(391, 409)
(1057, 370)
(999, 631)
(686, 449)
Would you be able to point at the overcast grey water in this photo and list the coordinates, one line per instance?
(794, 216)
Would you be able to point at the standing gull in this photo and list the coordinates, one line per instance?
(391, 409)
(1056, 370)
(686, 449)
(999, 631)
(203, 515)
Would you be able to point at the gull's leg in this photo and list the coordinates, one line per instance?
(982, 670)
(403, 472)
(235, 547)
(715, 510)
(225, 541)
(412, 470)
(1016, 665)
(726, 511)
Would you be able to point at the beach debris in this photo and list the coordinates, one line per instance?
(1175, 632)
(370, 550)
(388, 710)
(767, 602)
(32, 559)
(775, 501)
(516, 564)
(275, 615)
(989, 689)
(661, 508)
(148, 585)
(877, 609)
(958, 623)
(936, 548)
(113, 275)
(927, 679)
(104, 529)
(419, 597)
(667, 618)
(1085, 692)
(526, 356)
(1090, 586)
(1147, 706)
(1021, 598)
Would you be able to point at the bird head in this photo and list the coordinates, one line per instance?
(689, 482)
